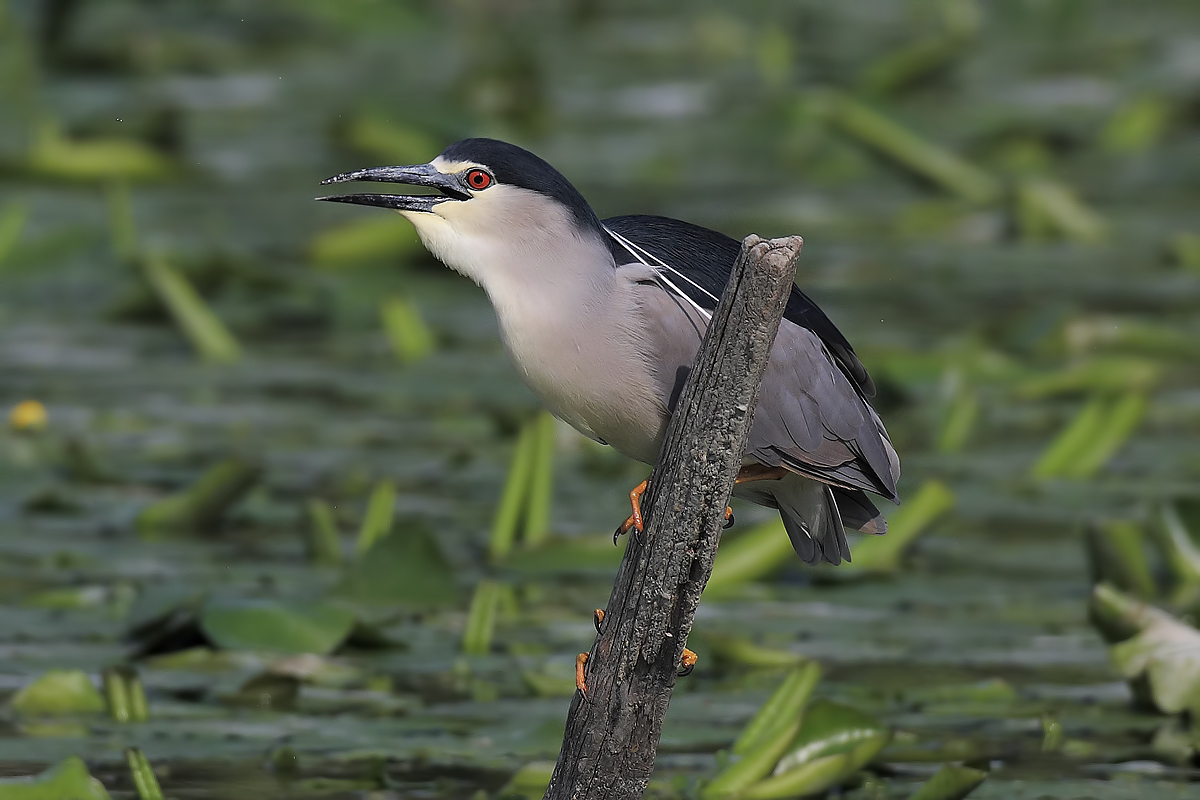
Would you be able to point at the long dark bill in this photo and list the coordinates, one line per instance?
(415, 175)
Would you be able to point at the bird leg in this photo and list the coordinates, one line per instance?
(759, 472)
(634, 521)
(687, 662)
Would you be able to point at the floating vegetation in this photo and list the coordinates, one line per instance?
(67, 780)
(1152, 646)
(12, 222)
(276, 626)
(53, 155)
(377, 522)
(751, 555)
(1093, 437)
(144, 779)
(489, 600)
(883, 554)
(1000, 201)
(58, 693)
(1117, 556)
(121, 224)
(202, 505)
(524, 510)
(370, 239)
(793, 748)
(324, 540)
(409, 336)
(204, 330)
(910, 151)
(951, 782)
(1048, 209)
(124, 694)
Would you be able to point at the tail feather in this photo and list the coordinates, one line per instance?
(812, 521)
(858, 512)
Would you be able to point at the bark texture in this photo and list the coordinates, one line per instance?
(612, 736)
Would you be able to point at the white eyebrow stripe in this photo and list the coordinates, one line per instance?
(647, 258)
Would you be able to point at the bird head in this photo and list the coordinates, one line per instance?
(493, 201)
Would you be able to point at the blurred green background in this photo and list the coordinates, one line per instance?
(267, 465)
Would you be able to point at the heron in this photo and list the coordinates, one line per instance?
(603, 320)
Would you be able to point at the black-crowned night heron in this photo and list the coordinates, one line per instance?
(603, 320)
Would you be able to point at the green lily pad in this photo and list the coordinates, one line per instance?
(66, 780)
(295, 627)
(405, 568)
(59, 692)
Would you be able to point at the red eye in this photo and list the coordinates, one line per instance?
(478, 179)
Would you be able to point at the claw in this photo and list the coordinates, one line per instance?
(597, 618)
(580, 683)
(687, 662)
(728, 518)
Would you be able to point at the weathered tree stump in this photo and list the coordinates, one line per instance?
(612, 736)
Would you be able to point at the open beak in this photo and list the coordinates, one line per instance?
(415, 175)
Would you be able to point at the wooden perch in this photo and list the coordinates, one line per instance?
(612, 736)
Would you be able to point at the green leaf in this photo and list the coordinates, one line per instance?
(405, 568)
(781, 709)
(409, 336)
(832, 729)
(144, 779)
(540, 492)
(1095, 434)
(201, 505)
(377, 522)
(481, 618)
(1116, 555)
(55, 156)
(12, 222)
(1047, 208)
(589, 554)
(1137, 125)
(1179, 550)
(951, 782)
(749, 556)
(295, 627)
(204, 329)
(833, 743)
(530, 780)
(324, 540)
(743, 650)
(124, 694)
(884, 553)
(66, 780)
(512, 499)
(59, 692)
(756, 763)
(1100, 374)
(392, 142)
(370, 239)
(924, 158)
(1163, 651)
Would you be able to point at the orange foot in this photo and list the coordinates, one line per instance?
(635, 522)
(580, 683)
(687, 662)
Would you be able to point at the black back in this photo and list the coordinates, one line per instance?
(706, 257)
(517, 166)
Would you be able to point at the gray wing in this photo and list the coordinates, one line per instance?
(810, 418)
